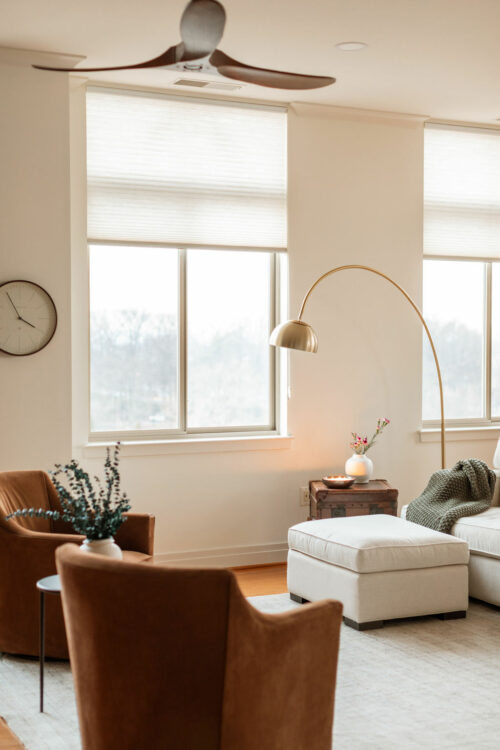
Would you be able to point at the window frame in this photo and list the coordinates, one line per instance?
(278, 311)
(488, 420)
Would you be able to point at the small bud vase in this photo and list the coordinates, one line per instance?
(106, 547)
(360, 467)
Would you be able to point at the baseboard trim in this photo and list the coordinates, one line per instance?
(226, 557)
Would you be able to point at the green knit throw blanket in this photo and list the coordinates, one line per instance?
(465, 490)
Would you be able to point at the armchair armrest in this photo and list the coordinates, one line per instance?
(280, 676)
(50, 538)
(36, 550)
(137, 533)
(39, 540)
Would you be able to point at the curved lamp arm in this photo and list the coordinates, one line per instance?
(422, 320)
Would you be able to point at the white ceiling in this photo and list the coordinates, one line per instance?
(439, 58)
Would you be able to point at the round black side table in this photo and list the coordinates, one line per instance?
(47, 585)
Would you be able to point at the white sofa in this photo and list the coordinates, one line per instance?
(482, 533)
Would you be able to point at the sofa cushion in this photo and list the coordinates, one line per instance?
(366, 544)
(481, 532)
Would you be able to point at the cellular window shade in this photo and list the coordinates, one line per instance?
(179, 170)
(462, 191)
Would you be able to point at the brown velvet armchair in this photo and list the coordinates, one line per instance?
(178, 659)
(27, 553)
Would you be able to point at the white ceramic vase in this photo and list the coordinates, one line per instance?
(106, 547)
(360, 467)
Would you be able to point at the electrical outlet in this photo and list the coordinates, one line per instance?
(304, 496)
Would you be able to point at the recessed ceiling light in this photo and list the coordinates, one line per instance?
(351, 46)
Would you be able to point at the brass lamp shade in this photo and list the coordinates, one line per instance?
(295, 334)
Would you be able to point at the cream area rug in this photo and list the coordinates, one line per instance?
(422, 683)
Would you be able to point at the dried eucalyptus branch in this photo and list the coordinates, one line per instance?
(95, 510)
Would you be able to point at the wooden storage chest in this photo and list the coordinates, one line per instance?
(376, 496)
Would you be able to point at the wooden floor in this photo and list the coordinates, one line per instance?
(260, 580)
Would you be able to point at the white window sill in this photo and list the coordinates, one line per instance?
(486, 432)
(192, 445)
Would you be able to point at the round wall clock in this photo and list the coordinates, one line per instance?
(28, 318)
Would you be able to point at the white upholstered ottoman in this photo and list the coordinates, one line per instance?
(380, 567)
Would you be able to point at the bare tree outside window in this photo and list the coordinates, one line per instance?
(454, 307)
(154, 328)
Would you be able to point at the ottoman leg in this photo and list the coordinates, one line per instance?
(452, 615)
(298, 599)
(363, 625)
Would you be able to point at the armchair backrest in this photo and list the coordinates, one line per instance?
(168, 657)
(147, 647)
(25, 489)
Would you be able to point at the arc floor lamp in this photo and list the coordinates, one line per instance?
(296, 334)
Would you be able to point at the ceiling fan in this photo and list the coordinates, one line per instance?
(202, 27)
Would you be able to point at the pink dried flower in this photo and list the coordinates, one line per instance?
(361, 445)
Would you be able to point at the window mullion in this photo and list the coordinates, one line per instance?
(274, 298)
(488, 334)
(183, 339)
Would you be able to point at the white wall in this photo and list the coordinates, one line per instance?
(355, 197)
(35, 391)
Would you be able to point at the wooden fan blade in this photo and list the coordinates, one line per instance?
(275, 79)
(202, 26)
(172, 56)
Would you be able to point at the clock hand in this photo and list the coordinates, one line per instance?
(13, 305)
(17, 312)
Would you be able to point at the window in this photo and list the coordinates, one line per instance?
(455, 294)
(187, 232)
(461, 300)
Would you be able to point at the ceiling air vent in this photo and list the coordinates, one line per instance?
(214, 85)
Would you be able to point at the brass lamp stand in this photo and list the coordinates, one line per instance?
(295, 334)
